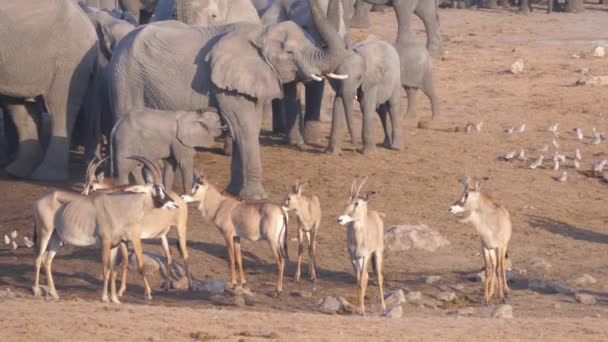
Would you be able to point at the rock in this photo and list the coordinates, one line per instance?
(517, 67)
(583, 280)
(503, 311)
(446, 296)
(9, 294)
(404, 237)
(333, 305)
(394, 298)
(481, 276)
(585, 299)
(242, 292)
(539, 264)
(239, 301)
(430, 279)
(395, 312)
(213, 287)
(583, 71)
(599, 52)
(424, 124)
(302, 294)
(414, 297)
(591, 80)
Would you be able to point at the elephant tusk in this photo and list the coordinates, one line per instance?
(336, 76)
(356, 98)
(316, 77)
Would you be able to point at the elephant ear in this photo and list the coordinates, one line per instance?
(374, 71)
(191, 131)
(237, 65)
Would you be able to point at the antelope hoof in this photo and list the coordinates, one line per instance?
(105, 299)
(148, 297)
(54, 295)
(121, 292)
(115, 300)
(277, 294)
(361, 312)
(296, 278)
(36, 291)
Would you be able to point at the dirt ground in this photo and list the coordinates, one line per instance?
(563, 223)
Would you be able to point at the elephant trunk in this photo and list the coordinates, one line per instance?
(327, 59)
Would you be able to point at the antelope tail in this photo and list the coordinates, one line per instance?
(283, 250)
(35, 235)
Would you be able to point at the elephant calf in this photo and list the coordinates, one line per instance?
(373, 69)
(170, 136)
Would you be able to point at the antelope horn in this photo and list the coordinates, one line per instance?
(98, 164)
(87, 175)
(150, 166)
(467, 182)
(361, 186)
(353, 185)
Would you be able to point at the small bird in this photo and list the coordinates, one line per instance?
(468, 128)
(538, 162)
(579, 133)
(578, 155)
(15, 245)
(553, 127)
(14, 234)
(509, 131)
(6, 240)
(598, 166)
(577, 164)
(478, 126)
(555, 143)
(509, 155)
(562, 177)
(543, 148)
(28, 243)
(522, 154)
(596, 140)
(555, 164)
(521, 128)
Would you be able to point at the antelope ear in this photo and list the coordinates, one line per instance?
(478, 187)
(367, 195)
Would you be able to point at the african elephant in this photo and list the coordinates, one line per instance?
(287, 117)
(157, 135)
(426, 10)
(206, 12)
(373, 69)
(238, 68)
(55, 68)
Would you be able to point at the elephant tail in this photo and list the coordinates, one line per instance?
(111, 143)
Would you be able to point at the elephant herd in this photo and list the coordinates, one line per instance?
(161, 77)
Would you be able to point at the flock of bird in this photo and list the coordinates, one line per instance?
(11, 239)
(558, 159)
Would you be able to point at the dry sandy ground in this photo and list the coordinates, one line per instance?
(563, 223)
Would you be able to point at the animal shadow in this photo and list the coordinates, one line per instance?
(567, 230)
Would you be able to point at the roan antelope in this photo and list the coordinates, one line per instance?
(493, 224)
(236, 220)
(308, 216)
(364, 240)
(103, 219)
(155, 225)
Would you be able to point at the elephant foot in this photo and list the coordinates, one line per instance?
(54, 173)
(380, 8)
(295, 137)
(228, 145)
(333, 150)
(312, 132)
(20, 169)
(54, 166)
(436, 50)
(253, 192)
(369, 150)
(411, 115)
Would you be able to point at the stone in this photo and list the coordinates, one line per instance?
(446, 296)
(539, 264)
(583, 71)
(242, 291)
(405, 237)
(394, 298)
(213, 287)
(414, 297)
(468, 311)
(591, 80)
(239, 301)
(503, 311)
(333, 305)
(599, 52)
(395, 312)
(430, 279)
(517, 67)
(583, 280)
(585, 299)
(302, 294)
(9, 294)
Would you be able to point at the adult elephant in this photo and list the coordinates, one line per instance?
(426, 10)
(142, 10)
(287, 116)
(55, 68)
(238, 68)
(206, 12)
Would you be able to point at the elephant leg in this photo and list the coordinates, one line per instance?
(312, 116)
(403, 10)
(124, 167)
(428, 88)
(427, 12)
(245, 118)
(293, 113)
(4, 147)
(92, 121)
(361, 17)
(279, 124)
(186, 166)
(169, 166)
(337, 124)
(386, 125)
(394, 110)
(411, 101)
(29, 152)
(368, 109)
(64, 99)
(493, 4)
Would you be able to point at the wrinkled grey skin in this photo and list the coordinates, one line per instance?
(59, 75)
(373, 69)
(238, 68)
(426, 10)
(287, 113)
(171, 136)
(142, 10)
(206, 12)
(417, 73)
(111, 26)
